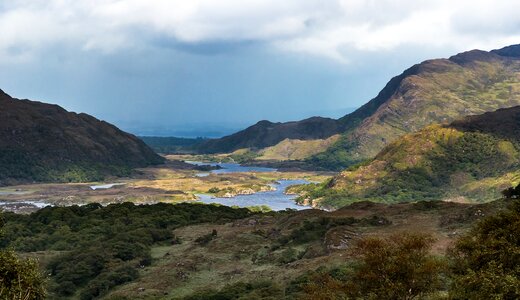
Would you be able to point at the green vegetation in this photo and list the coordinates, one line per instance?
(483, 264)
(474, 158)
(111, 252)
(98, 248)
(441, 90)
(486, 261)
(243, 156)
(266, 290)
(265, 134)
(397, 267)
(20, 279)
(44, 142)
(18, 165)
(171, 145)
(512, 192)
(295, 149)
(337, 157)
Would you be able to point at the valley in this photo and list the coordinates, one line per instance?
(415, 195)
(173, 182)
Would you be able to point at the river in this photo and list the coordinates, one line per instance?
(228, 168)
(276, 200)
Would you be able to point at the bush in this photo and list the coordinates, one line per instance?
(214, 190)
(20, 279)
(486, 261)
(288, 256)
(102, 284)
(205, 239)
(266, 290)
(398, 267)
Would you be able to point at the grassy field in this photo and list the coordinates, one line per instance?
(281, 247)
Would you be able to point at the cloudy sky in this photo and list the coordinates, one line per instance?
(186, 67)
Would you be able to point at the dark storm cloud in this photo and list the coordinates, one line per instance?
(179, 65)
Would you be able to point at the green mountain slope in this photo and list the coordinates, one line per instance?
(169, 145)
(472, 159)
(43, 142)
(435, 91)
(265, 134)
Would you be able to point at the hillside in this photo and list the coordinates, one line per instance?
(165, 251)
(264, 134)
(434, 91)
(471, 159)
(44, 142)
(294, 149)
(171, 145)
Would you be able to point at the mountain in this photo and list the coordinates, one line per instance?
(169, 145)
(434, 91)
(264, 134)
(44, 142)
(471, 159)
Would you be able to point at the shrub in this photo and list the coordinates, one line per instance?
(486, 261)
(398, 267)
(263, 289)
(214, 190)
(20, 279)
(288, 256)
(205, 239)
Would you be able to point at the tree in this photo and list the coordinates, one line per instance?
(512, 192)
(486, 261)
(397, 267)
(19, 278)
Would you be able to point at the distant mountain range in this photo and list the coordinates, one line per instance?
(44, 142)
(471, 159)
(434, 91)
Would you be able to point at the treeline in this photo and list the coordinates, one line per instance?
(20, 166)
(171, 145)
(102, 247)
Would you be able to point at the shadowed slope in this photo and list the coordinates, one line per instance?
(44, 142)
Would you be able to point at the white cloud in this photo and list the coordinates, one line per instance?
(312, 27)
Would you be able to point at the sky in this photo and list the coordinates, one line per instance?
(209, 67)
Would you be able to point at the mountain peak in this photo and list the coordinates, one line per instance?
(4, 94)
(472, 56)
(265, 123)
(509, 51)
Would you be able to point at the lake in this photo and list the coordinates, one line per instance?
(228, 168)
(105, 186)
(276, 200)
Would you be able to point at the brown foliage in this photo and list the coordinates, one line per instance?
(397, 267)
